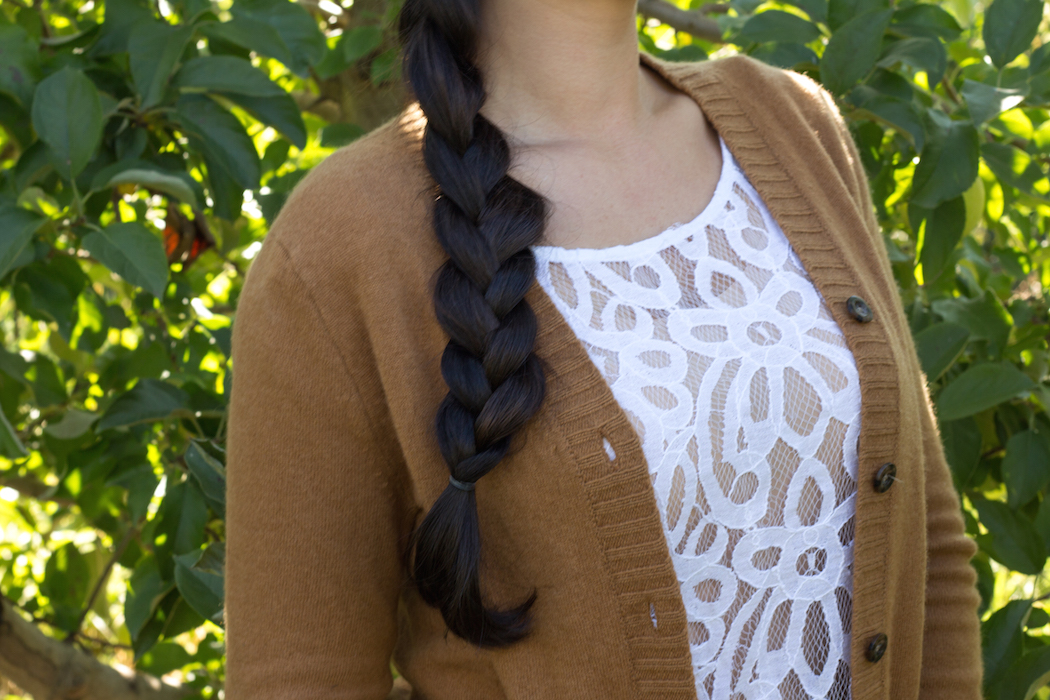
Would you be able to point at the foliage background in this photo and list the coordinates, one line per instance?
(146, 146)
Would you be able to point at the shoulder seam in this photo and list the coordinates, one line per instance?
(294, 270)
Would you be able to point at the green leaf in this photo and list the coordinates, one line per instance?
(154, 48)
(1026, 466)
(279, 111)
(949, 161)
(17, 227)
(16, 120)
(943, 231)
(985, 317)
(360, 41)
(842, 11)
(250, 33)
(816, 9)
(164, 658)
(156, 180)
(921, 53)
(927, 20)
(1013, 166)
(893, 111)
(141, 483)
(210, 474)
(981, 387)
(1002, 639)
(1012, 539)
(1026, 675)
(199, 575)
(1009, 28)
(145, 591)
(66, 575)
(66, 581)
(777, 25)
(852, 50)
(67, 115)
(226, 74)
(938, 346)
(10, 446)
(74, 423)
(158, 177)
(221, 136)
(340, 134)
(385, 66)
(962, 449)
(785, 55)
(986, 102)
(296, 27)
(19, 63)
(131, 251)
(181, 519)
(149, 400)
(121, 17)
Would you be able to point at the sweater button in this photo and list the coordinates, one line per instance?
(877, 647)
(884, 477)
(859, 309)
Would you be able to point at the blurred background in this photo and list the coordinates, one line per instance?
(146, 147)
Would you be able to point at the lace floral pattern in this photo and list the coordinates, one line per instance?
(746, 400)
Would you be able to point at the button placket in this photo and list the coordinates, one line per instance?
(884, 477)
(858, 309)
(876, 647)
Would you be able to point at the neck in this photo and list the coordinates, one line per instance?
(563, 70)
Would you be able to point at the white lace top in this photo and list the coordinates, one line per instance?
(746, 400)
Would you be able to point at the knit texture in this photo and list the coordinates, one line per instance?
(332, 458)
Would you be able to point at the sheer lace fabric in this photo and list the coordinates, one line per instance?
(739, 384)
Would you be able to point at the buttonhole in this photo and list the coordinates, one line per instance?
(609, 449)
(652, 614)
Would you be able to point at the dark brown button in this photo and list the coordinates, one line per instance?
(877, 647)
(884, 477)
(859, 309)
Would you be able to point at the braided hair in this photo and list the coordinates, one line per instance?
(485, 221)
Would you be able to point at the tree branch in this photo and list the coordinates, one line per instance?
(46, 667)
(689, 21)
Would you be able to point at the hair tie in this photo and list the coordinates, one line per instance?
(461, 485)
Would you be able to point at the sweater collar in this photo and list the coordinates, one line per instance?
(584, 410)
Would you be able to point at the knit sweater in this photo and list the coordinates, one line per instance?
(332, 457)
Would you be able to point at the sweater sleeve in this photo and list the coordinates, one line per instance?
(312, 520)
(952, 667)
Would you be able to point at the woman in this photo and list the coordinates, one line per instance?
(587, 377)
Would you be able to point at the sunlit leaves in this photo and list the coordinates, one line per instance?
(942, 231)
(154, 49)
(777, 25)
(1002, 639)
(853, 49)
(949, 161)
(199, 576)
(67, 115)
(1026, 467)
(225, 74)
(1009, 28)
(17, 226)
(981, 387)
(131, 251)
(939, 346)
(149, 400)
(988, 101)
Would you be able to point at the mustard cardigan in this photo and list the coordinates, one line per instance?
(332, 458)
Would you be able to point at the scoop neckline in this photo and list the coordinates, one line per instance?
(671, 234)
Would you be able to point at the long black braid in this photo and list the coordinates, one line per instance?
(485, 221)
